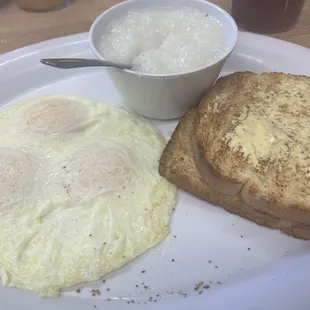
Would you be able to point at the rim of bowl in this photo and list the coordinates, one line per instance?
(154, 75)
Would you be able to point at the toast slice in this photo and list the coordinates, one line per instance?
(254, 172)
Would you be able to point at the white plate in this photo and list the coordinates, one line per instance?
(258, 268)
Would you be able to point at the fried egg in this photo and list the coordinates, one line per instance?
(112, 168)
(16, 177)
(80, 192)
(55, 115)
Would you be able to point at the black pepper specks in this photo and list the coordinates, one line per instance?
(198, 285)
(95, 292)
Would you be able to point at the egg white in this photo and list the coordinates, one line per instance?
(88, 197)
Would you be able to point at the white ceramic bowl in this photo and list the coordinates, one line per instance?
(163, 96)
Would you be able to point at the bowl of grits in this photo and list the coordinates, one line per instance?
(176, 48)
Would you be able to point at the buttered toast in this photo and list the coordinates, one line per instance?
(246, 148)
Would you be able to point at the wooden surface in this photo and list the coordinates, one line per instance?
(19, 28)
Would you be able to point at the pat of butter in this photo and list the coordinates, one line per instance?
(253, 137)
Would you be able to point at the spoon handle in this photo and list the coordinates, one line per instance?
(69, 63)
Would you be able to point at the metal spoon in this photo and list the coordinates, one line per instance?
(69, 63)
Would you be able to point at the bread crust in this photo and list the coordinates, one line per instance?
(184, 162)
